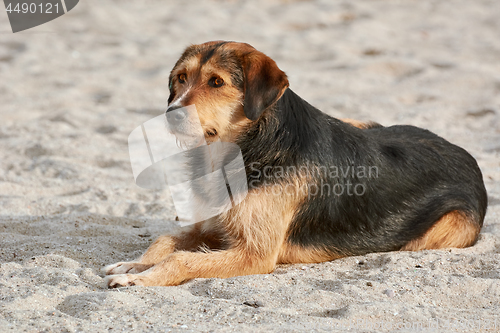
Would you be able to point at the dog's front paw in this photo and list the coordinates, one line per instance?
(125, 267)
(124, 280)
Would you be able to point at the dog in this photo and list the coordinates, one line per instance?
(403, 188)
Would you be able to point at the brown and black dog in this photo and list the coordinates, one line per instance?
(361, 187)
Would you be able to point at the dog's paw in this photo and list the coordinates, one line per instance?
(125, 268)
(124, 280)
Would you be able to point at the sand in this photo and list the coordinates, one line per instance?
(73, 89)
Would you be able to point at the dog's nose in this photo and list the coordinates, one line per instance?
(176, 115)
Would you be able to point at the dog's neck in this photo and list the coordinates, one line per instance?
(290, 125)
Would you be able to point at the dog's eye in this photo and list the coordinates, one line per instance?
(182, 78)
(216, 82)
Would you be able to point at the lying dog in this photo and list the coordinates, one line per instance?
(403, 188)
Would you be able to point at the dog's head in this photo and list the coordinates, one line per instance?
(231, 84)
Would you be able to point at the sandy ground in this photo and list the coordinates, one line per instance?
(73, 89)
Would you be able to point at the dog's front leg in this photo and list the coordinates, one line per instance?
(159, 250)
(196, 237)
(182, 266)
(256, 232)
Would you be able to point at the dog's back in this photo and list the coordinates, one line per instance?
(403, 180)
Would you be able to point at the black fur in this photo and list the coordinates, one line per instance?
(420, 177)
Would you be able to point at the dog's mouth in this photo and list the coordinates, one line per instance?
(187, 139)
(189, 142)
(193, 140)
(189, 131)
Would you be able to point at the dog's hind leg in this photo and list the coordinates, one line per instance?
(455, 229)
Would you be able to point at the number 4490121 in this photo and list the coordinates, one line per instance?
(33, 8)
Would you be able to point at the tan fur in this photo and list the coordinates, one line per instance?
(356, 123)
(353, 122)
(293, 254)
(454, 229)
(195, 239)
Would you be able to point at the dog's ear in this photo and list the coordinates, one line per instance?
(264, 84)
